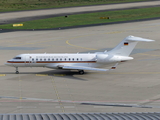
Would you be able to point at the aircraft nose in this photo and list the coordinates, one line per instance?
(8, 63)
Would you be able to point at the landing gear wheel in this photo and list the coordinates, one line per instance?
(81, 72)
(17, 72)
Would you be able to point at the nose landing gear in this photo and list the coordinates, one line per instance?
(17, 72)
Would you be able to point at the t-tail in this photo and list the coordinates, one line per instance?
(127, 45)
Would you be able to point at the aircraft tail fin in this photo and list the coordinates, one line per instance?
(127, 45)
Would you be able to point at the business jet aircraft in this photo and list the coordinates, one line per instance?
(80, 62)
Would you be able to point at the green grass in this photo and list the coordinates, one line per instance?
(89, 18)
(17, 5)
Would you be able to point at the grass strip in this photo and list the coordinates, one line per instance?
(89, 18)
(18, 5)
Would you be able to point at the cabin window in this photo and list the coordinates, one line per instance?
(17, 58)
(36, 59)
(44, 59)
(32, 59)
(52, 59)
(61, 59)
(69, 59)
(40, 59)
(73, 59)
(65, 59)
(81, 59)
(48, 59)
(57, 59)
(77, 59)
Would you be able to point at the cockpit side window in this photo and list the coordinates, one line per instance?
(17, 58)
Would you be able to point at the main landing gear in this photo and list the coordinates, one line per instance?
(17, 72)
(81, 72)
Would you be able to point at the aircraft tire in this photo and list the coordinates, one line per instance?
(81, 72)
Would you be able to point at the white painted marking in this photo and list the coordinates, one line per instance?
(26, 107)
(69, 107)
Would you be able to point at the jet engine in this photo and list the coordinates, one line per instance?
(105, 58)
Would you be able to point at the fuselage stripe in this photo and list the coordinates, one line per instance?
(51, 61)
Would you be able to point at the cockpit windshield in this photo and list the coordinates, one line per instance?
(17, 58)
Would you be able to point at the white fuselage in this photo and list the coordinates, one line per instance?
(54, 60)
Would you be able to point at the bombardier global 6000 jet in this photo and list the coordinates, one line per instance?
(79, 61)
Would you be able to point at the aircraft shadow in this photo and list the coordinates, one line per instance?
(55, 73)
(64, 73)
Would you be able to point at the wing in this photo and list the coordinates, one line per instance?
(85, 68)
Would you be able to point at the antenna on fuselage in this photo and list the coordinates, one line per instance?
(105, 51)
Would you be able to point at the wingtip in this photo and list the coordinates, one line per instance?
(113, 68)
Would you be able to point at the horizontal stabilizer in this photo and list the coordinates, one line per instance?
(138, 39)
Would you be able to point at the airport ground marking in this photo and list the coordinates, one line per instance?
(41, 74)
(1, 75)
(59, 74)
(57, 95)
(67, 42)
(70, 95)
(42, 100)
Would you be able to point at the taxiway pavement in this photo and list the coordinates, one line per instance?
(42, 90)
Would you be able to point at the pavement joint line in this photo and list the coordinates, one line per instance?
(148, 54)
(133, 73)
(37, 42)
(20, 91)
(137, 73)
(115, 32)
(102, 106)
(70, 96)
(29, 107)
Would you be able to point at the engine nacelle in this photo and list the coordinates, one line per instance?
(105, 58)
(101, 58)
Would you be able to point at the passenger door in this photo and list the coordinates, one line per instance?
(27, 61)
